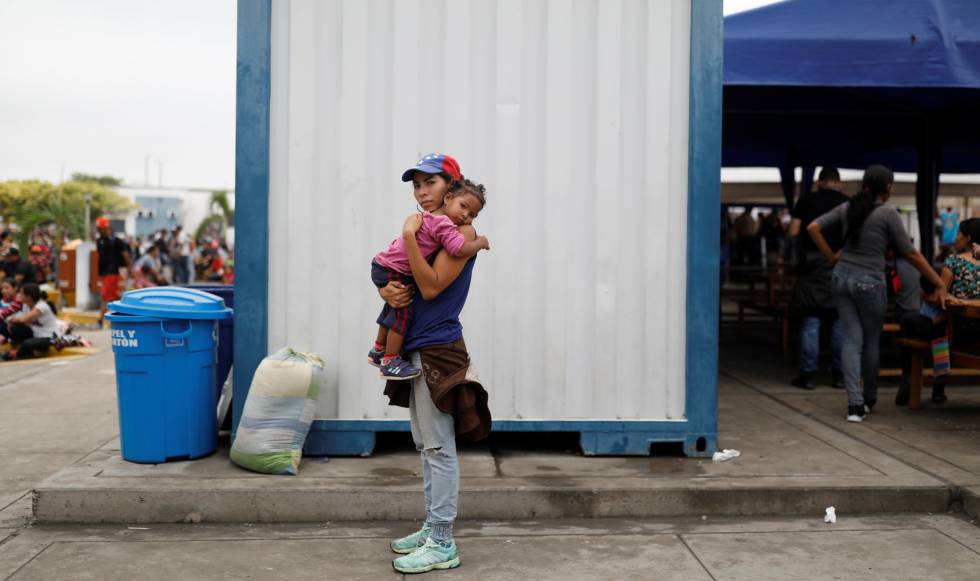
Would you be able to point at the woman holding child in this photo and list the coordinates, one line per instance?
(424, 296)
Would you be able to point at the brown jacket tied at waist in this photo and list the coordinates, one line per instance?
(453, 389)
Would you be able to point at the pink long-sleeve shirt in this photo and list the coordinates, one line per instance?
(436, 232)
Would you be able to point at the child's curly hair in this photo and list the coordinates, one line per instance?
(467, 186)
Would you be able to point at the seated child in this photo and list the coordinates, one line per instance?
(928, 324)
(440, 229)
(8, 295)
(10, 304)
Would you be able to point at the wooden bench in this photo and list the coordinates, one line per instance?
(964, 359)
(778, 313)
(918, 351)
(773, 306)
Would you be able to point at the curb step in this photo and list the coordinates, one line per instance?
(402, 500)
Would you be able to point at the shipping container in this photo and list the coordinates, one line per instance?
(594, 125)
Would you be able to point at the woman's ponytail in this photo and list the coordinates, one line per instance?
(875, 183)
(44, 297)
(32, 290)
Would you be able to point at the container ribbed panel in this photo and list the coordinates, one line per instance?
(574, 114)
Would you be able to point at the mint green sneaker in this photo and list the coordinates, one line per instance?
(406, 545)
(431, 555)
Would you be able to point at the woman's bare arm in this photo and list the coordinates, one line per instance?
(947, 276)
(27, 318)
(432, 279)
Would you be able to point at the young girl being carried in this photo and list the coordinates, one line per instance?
(448, 201)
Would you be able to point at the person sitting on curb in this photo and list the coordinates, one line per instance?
(17, 268)
(32, 330)
(10, 304)
(147, 269)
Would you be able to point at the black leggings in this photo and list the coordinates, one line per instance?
(22, 337)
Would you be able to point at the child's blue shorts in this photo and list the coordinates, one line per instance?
(394, 319)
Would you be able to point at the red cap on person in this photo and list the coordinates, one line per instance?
(434, 163)
(101, 222)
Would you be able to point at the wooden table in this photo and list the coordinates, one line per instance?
(960, 355)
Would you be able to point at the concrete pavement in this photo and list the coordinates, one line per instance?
(53, 412)
(942, 441)
(893, 547)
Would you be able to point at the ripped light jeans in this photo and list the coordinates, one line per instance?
(434, 433)
(861, 299)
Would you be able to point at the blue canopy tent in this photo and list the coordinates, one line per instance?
(855, 82)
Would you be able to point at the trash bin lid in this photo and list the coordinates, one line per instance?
(171, 302)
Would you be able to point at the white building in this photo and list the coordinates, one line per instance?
(163, 207)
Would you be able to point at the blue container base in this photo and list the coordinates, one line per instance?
(168, 458)
(341, 443)
(597, 437)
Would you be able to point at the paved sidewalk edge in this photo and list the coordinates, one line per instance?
(971, 501)
(59, 505)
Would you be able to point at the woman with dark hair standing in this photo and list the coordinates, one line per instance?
(870, 226)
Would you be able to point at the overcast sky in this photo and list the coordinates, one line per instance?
(97, 85)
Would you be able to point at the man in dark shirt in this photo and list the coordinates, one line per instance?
(813, 294)
(16, 268)
(113, 255)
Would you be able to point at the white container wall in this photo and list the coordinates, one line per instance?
(574, 114)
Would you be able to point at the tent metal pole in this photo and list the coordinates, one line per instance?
(806, 180)
(787, 179)
(927, 188)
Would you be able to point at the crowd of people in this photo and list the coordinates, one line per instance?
(755, 237)
(28, 322)
(27, 319)
(161, 259)
(174, 257)
(36, 265)
(850, 255)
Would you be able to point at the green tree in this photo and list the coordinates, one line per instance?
(33, 203)
(219, 201)
(222, 215)
(65, 212)
(110, 181)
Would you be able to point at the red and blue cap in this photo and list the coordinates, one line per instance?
(434, 163)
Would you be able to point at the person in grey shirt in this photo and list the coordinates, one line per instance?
(870, 226)
(908, 297)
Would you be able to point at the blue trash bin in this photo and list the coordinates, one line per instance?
(164, 340)
(226, 328)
